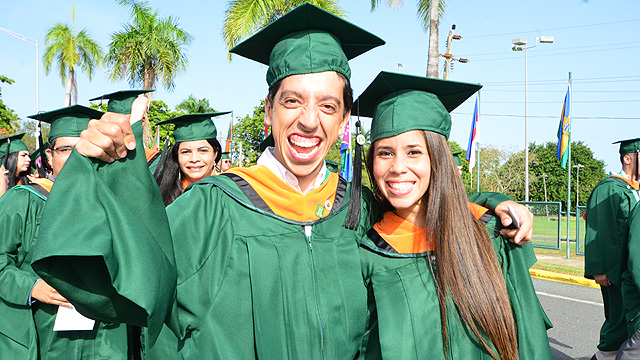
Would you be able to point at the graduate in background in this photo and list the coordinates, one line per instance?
(443, 283)
(192, 157)
(607, 215)
(225, 162)
(630, 349)
(28, 305)
(456, 158)
(15, 160)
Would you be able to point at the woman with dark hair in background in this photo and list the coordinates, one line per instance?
(14, 155)
(442, 282)
(193, 156)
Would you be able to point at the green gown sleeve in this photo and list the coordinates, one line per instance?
(17, 226)
(105, 242)
(607, 231)
(14, 224)
(531, 320)
(631, 277)
(488, 199)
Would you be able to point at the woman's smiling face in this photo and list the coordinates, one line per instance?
(402, 171)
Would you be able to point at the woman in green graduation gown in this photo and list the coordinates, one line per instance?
(440, 285)
(14, 155)
(190, 159)
(193, 156)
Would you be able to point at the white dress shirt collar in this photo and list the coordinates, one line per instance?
(269, 160)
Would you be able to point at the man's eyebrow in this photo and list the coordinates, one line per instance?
(290, 93)
(331, 98)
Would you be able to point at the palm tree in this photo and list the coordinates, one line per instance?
(245, 17)
(194, 106)
(70, 49)
(148, 50)
(429, 13)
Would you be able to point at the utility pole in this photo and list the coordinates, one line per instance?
(544, 182)
(448, 57)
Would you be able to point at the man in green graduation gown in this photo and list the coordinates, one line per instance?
(630, 349)
(28, 305)
(265, 267)
(606, 237)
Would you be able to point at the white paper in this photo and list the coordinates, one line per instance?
(69, 319)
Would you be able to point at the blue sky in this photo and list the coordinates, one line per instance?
(595, 40)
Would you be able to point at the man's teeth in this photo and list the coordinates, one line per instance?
(304, 142)
(401, 186)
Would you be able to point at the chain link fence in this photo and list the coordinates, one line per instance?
(547, 223)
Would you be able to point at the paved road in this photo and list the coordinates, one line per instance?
(576, 313)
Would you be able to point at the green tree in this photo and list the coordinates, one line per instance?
(193, 105)
(429, 13)
(7, 115)
(546, 164)
(148, 50)
(70, 49)
(249, 131)
(244, 18)
(29, 127)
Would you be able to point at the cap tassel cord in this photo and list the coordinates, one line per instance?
(6, 156)
(41, 172)
(353, 213)
(163, 157)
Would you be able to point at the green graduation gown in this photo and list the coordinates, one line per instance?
(608, 209)
(123, 217)
(405, 312)
(631, 277)
(26, 332)
(250, 284)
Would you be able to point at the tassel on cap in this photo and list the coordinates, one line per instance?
(163, 157)
(40, 168)
(353, 213)
(6, 156)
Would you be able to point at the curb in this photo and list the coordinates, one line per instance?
(569, 279)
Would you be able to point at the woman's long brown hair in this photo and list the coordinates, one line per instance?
(466, 265)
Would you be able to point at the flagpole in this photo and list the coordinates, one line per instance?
(478, 146)
(569, 179)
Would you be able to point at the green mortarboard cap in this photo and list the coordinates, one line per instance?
(13, 144)
(193, 127)
(332, 166)
(120, 101)
(268, 141)
(629, 146)
(399, 103)
(225, 155)
(67, 121)
(307, 40)
(456, 158)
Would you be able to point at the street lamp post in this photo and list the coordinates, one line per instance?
(519, 45)
(34, 43)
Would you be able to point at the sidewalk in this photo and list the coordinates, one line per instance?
(575, 263)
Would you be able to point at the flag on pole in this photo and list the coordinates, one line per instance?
(474, 139)
(345, 150)
(564, 130)
(228, 144)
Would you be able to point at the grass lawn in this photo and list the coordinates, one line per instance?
(561, 269)
(545, 231)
